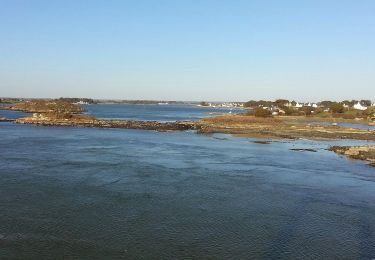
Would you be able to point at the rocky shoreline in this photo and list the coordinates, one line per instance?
(244, 126)
(365, 153)
(87, 121)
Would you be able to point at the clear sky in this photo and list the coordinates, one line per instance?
(188, 49)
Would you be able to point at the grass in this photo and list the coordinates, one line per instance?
(323, 114)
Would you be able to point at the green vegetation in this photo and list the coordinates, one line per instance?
(323, 114)
(307, 111)
(350, 114)
(263, 103)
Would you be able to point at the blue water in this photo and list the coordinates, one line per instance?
(85, 193)
(164, 113)
(347, 125)
(12, 114)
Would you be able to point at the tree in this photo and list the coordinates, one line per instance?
(281, 102)
(326, 103)
(366, 103)
(337, 107)
(251, 103)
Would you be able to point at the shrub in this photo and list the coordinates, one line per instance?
(323, 114)
(306, 110)
(348, 116)
(288, 111)
(260, 112)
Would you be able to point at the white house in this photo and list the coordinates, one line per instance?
(359, 106)
(299, 105)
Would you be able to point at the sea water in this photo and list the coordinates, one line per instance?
(85, 193)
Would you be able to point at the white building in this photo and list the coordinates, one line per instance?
(359, 106)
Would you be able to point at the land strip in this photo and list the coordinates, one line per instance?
(88, 121)
(250, 126)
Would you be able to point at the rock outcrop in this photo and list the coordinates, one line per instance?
(365, 153)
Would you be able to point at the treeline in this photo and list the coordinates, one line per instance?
(351, 103)
(76, 100)
(10, 100)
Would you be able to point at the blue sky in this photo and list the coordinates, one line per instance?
(188, 49)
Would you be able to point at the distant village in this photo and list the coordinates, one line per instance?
(354, 109)
(272, 105)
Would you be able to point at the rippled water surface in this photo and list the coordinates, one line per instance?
(83, 193)
(165, 113)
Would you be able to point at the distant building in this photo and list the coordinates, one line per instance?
(81, 102)
(359, 106)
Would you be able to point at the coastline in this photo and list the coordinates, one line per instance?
(364, 153)
(244, 126)
(280, 127)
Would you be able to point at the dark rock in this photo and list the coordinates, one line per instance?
(262, 142)
(303, 150)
